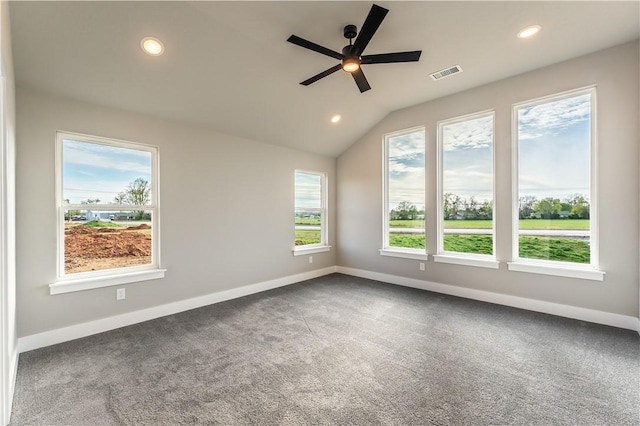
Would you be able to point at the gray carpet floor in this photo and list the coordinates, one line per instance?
(338, 350)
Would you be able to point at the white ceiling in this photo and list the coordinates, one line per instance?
(227, 65)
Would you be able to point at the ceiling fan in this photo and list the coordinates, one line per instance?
(351, 57)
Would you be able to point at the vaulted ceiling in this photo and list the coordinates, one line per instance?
(227, 65)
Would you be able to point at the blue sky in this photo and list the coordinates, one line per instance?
(468, 158)
(555, 148)
(100, 171)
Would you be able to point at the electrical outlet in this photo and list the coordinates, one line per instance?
(310, 259)
(120, 294)
(422, 266)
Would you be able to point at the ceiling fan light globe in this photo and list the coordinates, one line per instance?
(351, 65)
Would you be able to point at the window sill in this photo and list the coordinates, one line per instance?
(404, 253)
(479, 262)
(301, 251)
(68, 286)
(586, 273)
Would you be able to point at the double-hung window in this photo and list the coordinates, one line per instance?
(465, 191)
(310, 212)
(107, 202)
(555, 213)
(404, 194)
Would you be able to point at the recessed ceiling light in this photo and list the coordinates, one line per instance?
(152, 46)
(335, 118)
(529, 31)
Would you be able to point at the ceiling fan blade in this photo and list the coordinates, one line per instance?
(315, 47)
(361, 80)
(369, 28)
(387, 58)
(323, 74)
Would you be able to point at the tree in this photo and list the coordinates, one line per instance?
(579, 206)
(549, 208)
(138, 193)
(527, 204)
(486, 210)
(90, 201)
(451, 205)
(406, 211)
(121, 198)
(471, 209)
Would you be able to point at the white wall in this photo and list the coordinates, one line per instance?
(615, 72)
(226, 211)
(9, 354)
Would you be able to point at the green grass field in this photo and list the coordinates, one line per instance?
(568, 224)
(307, 221)
(101, 224)
(304, 237)
(406, 223)
(560, 249)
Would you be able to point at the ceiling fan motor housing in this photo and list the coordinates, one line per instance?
(350, 31)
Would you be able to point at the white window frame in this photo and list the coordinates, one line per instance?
(66, 283)
(387, 250)
(454, 257)
(552, 267)
(323, 245)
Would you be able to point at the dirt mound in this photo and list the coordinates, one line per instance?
(80, 229)
(137, 227)
(88, 249)
(107, 230)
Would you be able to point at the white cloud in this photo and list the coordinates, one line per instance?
(553, 117)
(106, 157)
(470, 134)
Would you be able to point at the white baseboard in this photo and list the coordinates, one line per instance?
(72, 332)
(65, 334)
(590, 315)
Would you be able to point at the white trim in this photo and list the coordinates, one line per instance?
(324, 203)
(154, 206)
(13, 372)
(385, 182)
(69, 286)
(52, 337)
(555, 268)
(455, 259)
(5, 368)
(440, 177)
(8, 341)
(593, 182)
(302, 250)
(404, 253)
(574, 312)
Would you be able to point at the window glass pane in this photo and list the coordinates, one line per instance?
(467, 185)
(101, 174)
(406, 190)
(308, 209)
(308, 190)
(100, 240)
(554, 166)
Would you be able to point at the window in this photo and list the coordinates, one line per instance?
(554, 218)
(404, 194)
(310, 213)
(465, 192)
(107, 212)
